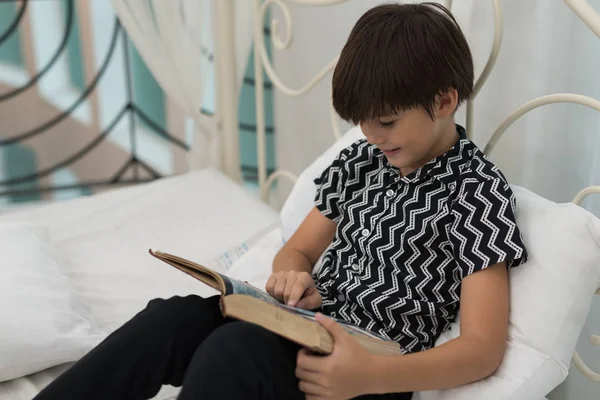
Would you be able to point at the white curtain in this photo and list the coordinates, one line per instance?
(554, 150)
(175, 38)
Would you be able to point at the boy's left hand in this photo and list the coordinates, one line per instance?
(344, 374)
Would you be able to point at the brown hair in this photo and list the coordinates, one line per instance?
(398, 57)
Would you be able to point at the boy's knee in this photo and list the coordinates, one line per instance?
(242, 339)
(232, 350)
(238, 352)
(242, 334)
(178, 304)
(178, 309)
(175, 302)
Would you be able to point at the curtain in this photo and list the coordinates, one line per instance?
(553, 151)
(176, 41)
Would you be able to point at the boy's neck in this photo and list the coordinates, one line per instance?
(447, 139)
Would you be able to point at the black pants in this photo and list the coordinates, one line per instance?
(184, 341)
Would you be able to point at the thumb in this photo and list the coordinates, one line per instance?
(332, 327)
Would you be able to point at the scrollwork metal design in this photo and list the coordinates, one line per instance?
(586, 13)
(535, 103)
(282, 44)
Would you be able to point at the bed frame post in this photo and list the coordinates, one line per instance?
(227, 89)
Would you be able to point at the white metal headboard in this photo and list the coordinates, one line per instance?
(262, 63)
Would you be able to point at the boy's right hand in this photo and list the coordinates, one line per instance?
(296, 289)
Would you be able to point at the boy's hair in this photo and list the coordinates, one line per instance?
(399, 57)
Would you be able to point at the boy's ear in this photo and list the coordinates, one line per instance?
(446, 103)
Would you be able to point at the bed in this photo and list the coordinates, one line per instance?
(106, 238)
(205, 215)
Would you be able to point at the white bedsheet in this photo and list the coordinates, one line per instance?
(106, 238)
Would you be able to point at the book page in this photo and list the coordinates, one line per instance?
(350, 328)
(239, 287)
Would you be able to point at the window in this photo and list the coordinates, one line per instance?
(80, 58)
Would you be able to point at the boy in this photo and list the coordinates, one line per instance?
(413, 221)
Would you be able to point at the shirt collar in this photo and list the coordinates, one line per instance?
(445, 167)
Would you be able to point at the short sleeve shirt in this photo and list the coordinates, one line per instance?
(403, 244)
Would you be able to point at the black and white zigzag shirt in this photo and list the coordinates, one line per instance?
(403, 244)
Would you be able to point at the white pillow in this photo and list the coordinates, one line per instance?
(302, 197)
(42, 321)
(550, 295)
(255, 265)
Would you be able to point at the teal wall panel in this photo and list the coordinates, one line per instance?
(74, 53)
(147, 93)
(10, 50)
(20, 161)
(247, 119)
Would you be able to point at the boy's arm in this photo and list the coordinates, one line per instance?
(317, 229)
(484, 303)
(306, 245)
(291, 281)
(484, 297)
(474, 355)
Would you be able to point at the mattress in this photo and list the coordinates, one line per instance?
(105, 238)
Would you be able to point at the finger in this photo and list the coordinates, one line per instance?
(309, 362)
(296, 292)
(309, 376)
(289, 286)
(311, 389)
(279, 287)
(333, 327)
(311, 301)
(270, 285)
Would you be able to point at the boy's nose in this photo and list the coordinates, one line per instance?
(375, 139)
(373, 133)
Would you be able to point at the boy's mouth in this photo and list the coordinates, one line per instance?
(391, 152)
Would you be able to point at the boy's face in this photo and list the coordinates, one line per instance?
(412, 138)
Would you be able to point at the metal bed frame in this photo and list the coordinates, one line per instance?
(262, 64)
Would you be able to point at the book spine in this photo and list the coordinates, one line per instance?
(228, 286)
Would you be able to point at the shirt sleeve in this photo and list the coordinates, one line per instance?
(484, 230)
(330, 187)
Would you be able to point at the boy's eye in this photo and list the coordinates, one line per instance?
(386, 124)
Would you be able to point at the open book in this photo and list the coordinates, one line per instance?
(242, 301)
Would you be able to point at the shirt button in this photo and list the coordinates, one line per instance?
(365, 232)
(341, 297)
(355, 267)
(389, 193)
